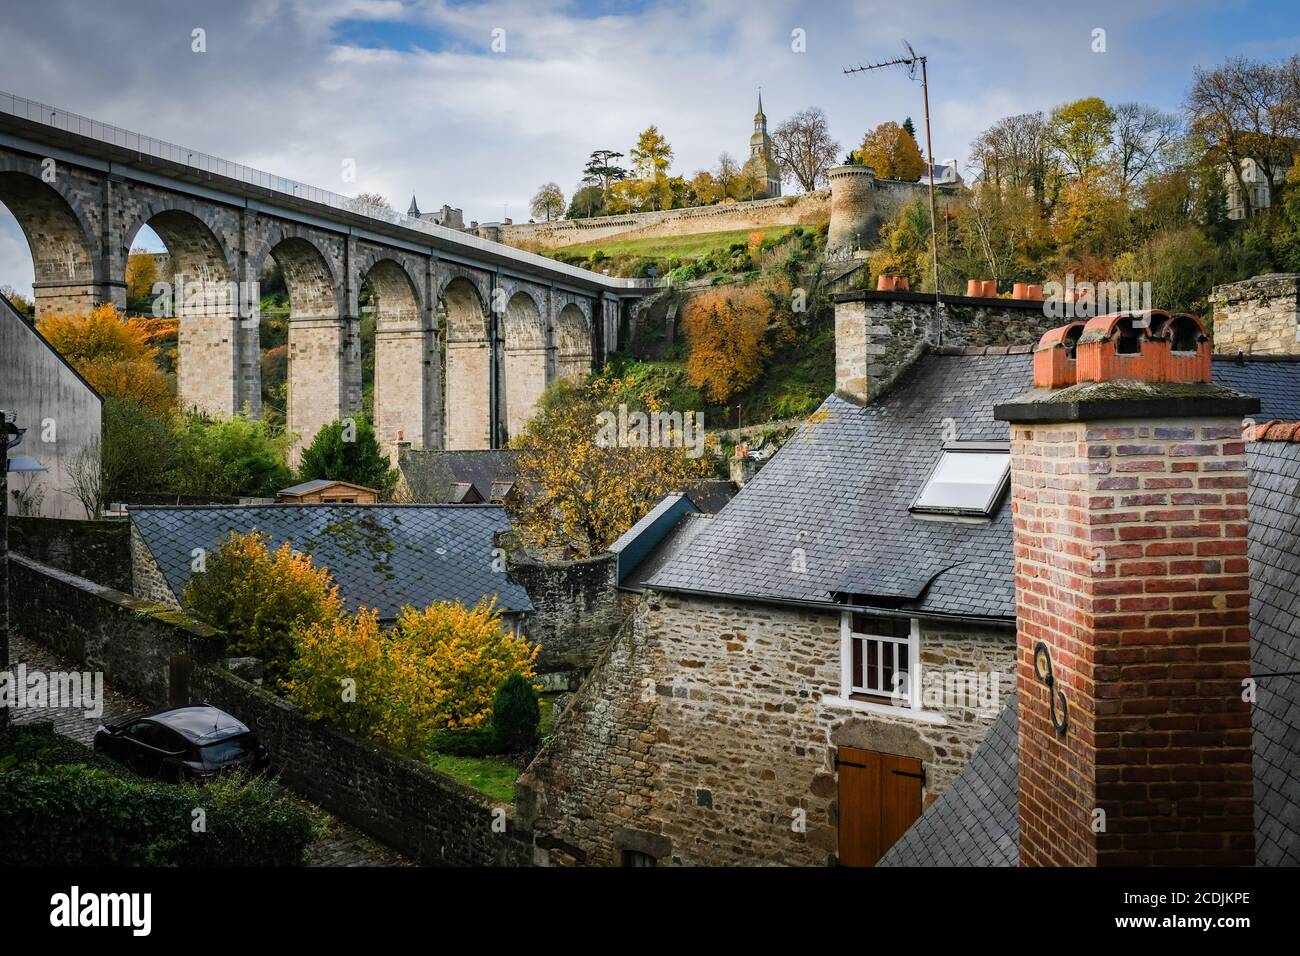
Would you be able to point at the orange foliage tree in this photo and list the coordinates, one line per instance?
(115, 354)
(727, 329)
(892, 152)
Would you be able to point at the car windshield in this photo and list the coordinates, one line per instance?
(226, 751)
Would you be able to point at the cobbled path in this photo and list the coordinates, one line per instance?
(343, 846)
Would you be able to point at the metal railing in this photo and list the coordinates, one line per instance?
(68, 122)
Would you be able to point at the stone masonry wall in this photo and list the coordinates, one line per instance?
(98, 550)
(147, 581)
(577, 609)
(1259, 316)
(805, 209)
(706, 727)
(140, 647)
(436, 820)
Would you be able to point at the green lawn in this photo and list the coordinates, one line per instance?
(489, 775)
(663, 247)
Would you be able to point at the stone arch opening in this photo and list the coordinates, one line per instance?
(402, 380)
(468, 405)
(318, 346)
(62, 251)
(217, 371)
(525, 361)
(573, 343)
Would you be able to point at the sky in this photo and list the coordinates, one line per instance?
(476, 104)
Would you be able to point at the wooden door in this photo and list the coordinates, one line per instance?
(880, 797)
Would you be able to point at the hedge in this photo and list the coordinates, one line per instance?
(58, 812)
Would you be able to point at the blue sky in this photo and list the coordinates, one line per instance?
(417, 97)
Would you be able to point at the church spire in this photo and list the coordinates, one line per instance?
(414, 211)
(760, 103)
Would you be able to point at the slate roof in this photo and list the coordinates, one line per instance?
(431, 474)
(1274, 505)
(974, 822)
(840, 489)
(381, 556)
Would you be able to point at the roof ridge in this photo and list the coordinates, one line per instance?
(1275, 429)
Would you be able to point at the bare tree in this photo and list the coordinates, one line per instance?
(804, 148)
(1245, 109)
(1015, 153)
(548, 202)
(87, 480)
(1144, 141)
(370, 203)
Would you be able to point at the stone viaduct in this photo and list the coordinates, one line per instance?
(468, 331)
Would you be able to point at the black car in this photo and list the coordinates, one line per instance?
(183, 743)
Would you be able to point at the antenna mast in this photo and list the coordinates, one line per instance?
(910, 61)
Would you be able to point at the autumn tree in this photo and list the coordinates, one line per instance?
(905, 245)
(258, 598)
(141, 274)
(1015, 153)
(727, 175)
(1144, 142)
(702, 189)
(1081, 132)
(651, 157)
(548, 202)
(804, 148)
(892, 153)
(727, 331)
(584, 492)
(115, 354)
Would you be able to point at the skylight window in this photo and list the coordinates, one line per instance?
(969, 480)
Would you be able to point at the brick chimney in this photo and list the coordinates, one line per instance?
(1129, 488)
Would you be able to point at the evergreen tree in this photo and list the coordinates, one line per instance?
(910, 127)
(347, 450)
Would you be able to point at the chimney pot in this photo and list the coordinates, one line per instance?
(974, 288)
(990, 288)
(1020, 290)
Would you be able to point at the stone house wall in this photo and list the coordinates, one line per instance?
(705, 738)
(1259, 316)
(147, 581)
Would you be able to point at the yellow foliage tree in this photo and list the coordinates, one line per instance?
(584, 491)
(727, 329)
(437, 669)
(892, 152)
(115, 354)
(258, 599)
(141, 274)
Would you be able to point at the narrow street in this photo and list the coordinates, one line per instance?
(344, 846)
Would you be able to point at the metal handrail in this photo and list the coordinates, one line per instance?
(68, 122)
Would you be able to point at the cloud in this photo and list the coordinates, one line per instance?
(414, 94)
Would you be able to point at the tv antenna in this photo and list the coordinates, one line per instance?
(911, 61)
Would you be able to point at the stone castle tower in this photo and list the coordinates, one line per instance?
(760, 151)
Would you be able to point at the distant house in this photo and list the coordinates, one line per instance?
(1259, 191)
(382, 556)
(328, 491)
(456, 477)
(61, 413)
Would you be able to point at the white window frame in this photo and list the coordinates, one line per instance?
(851, 698)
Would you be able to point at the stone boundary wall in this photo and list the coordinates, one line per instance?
(394, 798)
(577, 609)
(167, 659)
(140, 647)
(98, 550)
(806, 209)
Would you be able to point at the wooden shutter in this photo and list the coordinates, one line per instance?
(880, 797)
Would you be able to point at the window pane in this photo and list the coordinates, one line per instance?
(965, 481)
(857, 662)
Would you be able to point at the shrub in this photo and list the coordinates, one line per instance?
(728, 335)
(114, 353)
(229, 456)
(435, 670)
(516, 715)
(55, 811)
(258, 598)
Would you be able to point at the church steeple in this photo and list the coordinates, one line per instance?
(414, 211)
